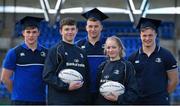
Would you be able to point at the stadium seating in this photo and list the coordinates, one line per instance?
(166, 30)
(50, 34)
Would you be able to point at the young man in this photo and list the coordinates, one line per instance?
(65, 55)
(23, 67)
(93, 44)
(156, 68)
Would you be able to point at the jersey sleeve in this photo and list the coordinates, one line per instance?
(87, 68)
(87, 77)
(170, 61)
(99, 73)
(131, 88)
(9, 61)
(50, 74)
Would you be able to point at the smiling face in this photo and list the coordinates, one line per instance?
(148, 37)
(93, 28)
(112, 49)
(30, 35)
(68, 33)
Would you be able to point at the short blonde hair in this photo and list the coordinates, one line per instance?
(120, 44)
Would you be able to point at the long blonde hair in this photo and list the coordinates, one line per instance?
(120, 44)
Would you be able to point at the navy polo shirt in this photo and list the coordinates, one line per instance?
(27, 78)
(97, 49)
(151, 72)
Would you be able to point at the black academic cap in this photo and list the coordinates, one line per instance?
(96, 14)
(29, 21)
(147, 22)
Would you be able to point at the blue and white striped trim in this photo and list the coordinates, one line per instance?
(30, 64)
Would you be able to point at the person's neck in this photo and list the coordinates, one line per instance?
(32, 46)
(93, 40)
(69, 42)
(115, 59)
(149, 50)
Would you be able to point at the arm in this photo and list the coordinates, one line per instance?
(131, 88)
(173, 80)
(99, 74)
(77, 85)
(9, 65)
(88, 78)
(50, 72)
(171, 69)
(6, 78)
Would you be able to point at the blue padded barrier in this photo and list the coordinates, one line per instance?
(167, 30)
(131, 44)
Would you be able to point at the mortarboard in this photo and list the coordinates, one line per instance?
(96, 14)
(29, 21)
(147, 22)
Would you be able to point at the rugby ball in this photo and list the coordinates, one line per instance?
(111, 86)
(70, 75)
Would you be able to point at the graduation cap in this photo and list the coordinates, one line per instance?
(147, 22)
(30, 21)
(96, 14)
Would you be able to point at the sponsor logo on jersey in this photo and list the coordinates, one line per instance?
(66, 53)
(83, 47)
(81, 55)
(75, 64)
(22, 54)
(76, 60)
(43, 54)
(116, 72)
(137, 61)
(158, 60)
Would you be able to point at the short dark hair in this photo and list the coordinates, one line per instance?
(68, 21)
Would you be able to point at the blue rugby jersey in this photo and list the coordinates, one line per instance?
(27, 78)
(97, 49)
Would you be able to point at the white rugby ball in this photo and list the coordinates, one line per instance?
(70, 75)
(111, 86)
